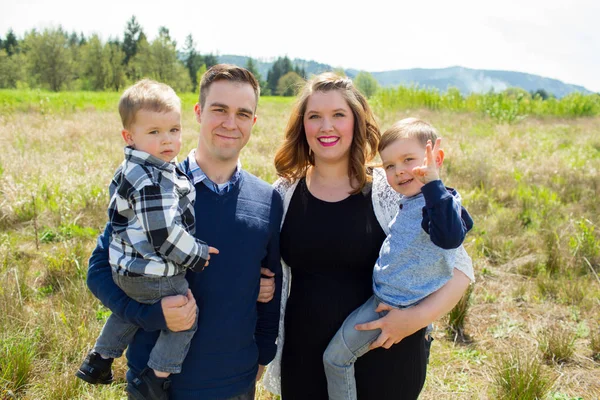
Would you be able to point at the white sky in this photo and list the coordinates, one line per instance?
(556, 39)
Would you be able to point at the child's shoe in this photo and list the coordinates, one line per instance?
(147, 386)
(95, 369)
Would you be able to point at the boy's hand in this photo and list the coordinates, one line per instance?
(267, 285)
(430, 170)
(211, 250)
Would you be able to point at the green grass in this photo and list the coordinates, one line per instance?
(531, 185)
(44, 102)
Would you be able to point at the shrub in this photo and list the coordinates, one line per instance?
(519, 376)
(557, 343)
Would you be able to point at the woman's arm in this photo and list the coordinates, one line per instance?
(400, 323)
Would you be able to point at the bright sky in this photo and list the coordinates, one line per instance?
(553, 38)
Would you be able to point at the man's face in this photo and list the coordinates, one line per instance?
(226, 120)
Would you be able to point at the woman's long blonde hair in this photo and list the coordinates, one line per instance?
(294, 156)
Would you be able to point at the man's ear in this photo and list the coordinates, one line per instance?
(127, 137)
(255, 118)
(198, 112)
(439, 158)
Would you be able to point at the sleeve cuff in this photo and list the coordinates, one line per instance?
(434, 192)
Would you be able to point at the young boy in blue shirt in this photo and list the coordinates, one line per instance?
(420, 252)
(151, 211)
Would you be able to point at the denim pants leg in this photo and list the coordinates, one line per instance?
(114, 337)
(170, 348)
(346, 346)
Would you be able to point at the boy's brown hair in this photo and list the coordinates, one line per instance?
(408, 128)
(147, 95)
(226, 72)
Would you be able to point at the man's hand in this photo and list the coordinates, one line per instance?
(211, 250)
(179, 311)
(395, 326)
(261, 369)
(267, 285)
(430, 170)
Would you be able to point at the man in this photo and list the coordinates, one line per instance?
(240, 215)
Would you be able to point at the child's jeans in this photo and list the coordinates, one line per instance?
(346, 346)
(171, 347)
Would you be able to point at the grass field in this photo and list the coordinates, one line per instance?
(530, 328)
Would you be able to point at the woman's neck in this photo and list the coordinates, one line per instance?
(329, 181)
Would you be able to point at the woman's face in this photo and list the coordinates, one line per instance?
(329, 126)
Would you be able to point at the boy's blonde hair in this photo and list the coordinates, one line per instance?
(147, 95)
(408, 128)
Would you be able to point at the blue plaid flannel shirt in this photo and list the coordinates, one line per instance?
(151, 211)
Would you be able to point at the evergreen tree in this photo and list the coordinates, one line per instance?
(11, 43)
(251, 66)
(193, 60)
(210, 60)
(131, 39)
(280, 67)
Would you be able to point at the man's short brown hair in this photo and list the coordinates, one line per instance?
(226, 72)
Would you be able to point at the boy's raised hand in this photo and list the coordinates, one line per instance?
(430, 170)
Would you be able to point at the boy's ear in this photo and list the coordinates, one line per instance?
(439, 158)
(127, 137)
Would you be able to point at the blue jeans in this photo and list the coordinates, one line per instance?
(346, 346)
(171, 347)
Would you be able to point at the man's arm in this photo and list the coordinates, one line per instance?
(101, 284)
(444, 219)
(267, 325)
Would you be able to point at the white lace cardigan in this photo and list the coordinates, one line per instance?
(385, 204)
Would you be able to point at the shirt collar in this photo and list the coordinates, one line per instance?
(141, 157)
(196, 174)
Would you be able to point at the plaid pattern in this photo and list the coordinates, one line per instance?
(151, 211)
(197, 175)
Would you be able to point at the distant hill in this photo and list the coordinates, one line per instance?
(464, 79)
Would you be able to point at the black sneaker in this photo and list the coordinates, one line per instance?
(147, 386)
(95, 369)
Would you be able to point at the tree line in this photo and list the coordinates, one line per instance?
(56, 60)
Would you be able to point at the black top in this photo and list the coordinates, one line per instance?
(331, 248)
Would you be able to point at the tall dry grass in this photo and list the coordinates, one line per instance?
(531, 186)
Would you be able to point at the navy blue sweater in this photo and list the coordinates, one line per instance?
(235, 333)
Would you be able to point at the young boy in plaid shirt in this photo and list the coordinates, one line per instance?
(152, 245)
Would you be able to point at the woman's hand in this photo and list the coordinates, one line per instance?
(179, 311)
(267, 285)
(400, 323)
(395, 326)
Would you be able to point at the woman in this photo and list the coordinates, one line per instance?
(336, 215)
